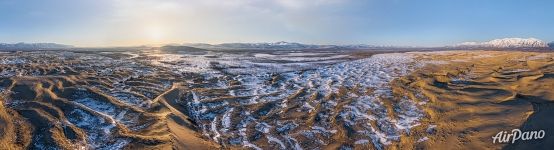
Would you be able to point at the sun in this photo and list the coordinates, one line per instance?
(154, 33)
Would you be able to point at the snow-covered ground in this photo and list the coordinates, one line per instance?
(267, 104)
(215, 64)
(268, 100)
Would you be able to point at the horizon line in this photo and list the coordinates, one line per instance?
(258, 42)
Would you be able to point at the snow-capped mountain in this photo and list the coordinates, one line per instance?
(269, 46)
(32, 46)
(551, 44)
(506, 43)
(275, 46)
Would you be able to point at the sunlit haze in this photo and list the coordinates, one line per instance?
(377, 22)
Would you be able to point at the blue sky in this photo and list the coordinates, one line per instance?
(378, 22)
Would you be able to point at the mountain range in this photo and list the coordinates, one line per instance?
(506, 43)
(33, 46)
(496, 43)
(282, 45)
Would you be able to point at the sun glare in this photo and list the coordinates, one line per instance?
(154, 33)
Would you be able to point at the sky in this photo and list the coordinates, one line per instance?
(376, 22)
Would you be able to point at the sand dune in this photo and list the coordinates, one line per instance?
(216, 100)
(90, 106)
(473, 95)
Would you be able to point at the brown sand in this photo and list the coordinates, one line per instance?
(49, 110)
(46, 103)
(472, 95)
(480, 93)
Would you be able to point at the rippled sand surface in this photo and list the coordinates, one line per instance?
(473, 95)
(200, 99)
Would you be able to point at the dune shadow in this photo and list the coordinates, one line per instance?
(541, 119)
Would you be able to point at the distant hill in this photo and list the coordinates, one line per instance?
(282, 45)
(505, 43)
(33, 46)
(184, 50)
(551, 45)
